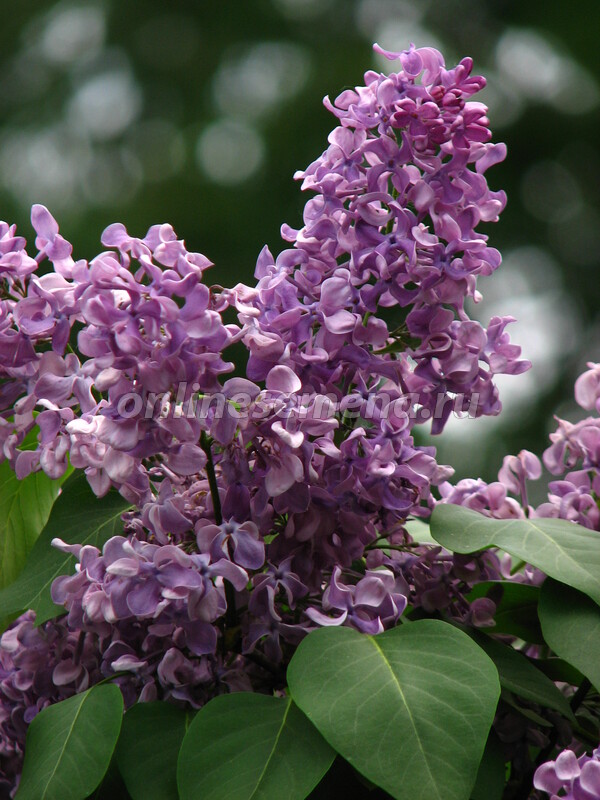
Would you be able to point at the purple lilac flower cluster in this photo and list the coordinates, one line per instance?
(42, 665)
(375, 284)
(574, 455)
(141, 321)
(248, 530)
(575, 778)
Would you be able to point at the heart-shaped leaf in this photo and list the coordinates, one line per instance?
(561, 549)
(148, 747)
(247, 746)
(571, 625)
(69, 745)
(410, 708)
(78, 517)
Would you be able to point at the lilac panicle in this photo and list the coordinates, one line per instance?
(399, 194)
(251, 528)
(573, 456)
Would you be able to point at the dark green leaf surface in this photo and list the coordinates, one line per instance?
(24, 510)
(571, 625)
(246, 746)
(69, 745)
(519, 676)
(148, 747)
(516, 608)
(78, 517)
(410, 708)
(492, 771)
(344, 782)
(557, 669)
(561, 549)
(111, 786)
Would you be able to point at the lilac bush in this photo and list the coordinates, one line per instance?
(273, 499)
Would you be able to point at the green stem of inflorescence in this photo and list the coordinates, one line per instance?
(206, 444)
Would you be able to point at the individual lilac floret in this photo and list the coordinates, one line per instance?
(575, 778)
(587, 388)
(371, 605)
(230, 540)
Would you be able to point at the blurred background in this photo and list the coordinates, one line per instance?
(199, 113)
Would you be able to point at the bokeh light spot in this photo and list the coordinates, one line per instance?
(72, 33)
(105, 105)
(229, 152)
(265, 76)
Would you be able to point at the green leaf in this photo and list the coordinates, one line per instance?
(24, 510)
(557, 669)
(78, 517)
(516, 608)
(410, 708)
(245, 745)
(111, 787)
(519, 676)
(528, 713)
(342, 781)
(148, 747)
(491, 776)
(69, 745)
(571, 625)
(419, 531)
(561, 549)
